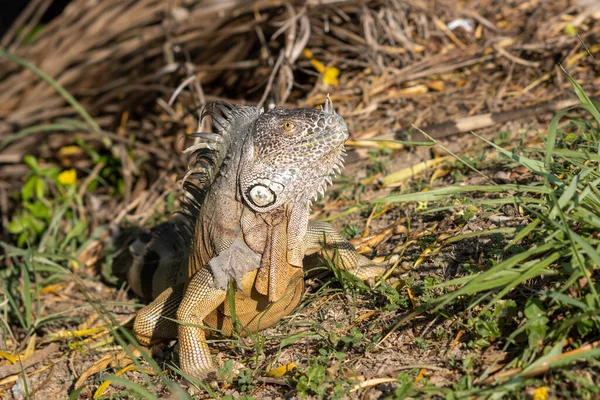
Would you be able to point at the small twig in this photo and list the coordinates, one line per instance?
(457, 157)
(412, 315)
(516, 60)
(270, 81)
(161, 153)
(478, 17)
(449, 33)
(19, 22)
(429, 325)
(545, 367)
(37, 357)
(463, 125)
(179, 88)
(26, 30)
(275, 381)
(88, 180)
(419, 366)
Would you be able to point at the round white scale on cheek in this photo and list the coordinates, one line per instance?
(261, 196)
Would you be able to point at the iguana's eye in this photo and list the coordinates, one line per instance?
(288, 126)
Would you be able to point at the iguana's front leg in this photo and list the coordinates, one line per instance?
(199, 300)
(175, 314)
(156, 322)
(323, 238)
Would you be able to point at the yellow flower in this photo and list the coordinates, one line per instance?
(540, 393)
(68, 177)
(280, 371)
(330, 74)
(70, 151)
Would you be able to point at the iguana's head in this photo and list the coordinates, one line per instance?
(294, 154)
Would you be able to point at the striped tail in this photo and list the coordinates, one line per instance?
(160, 257)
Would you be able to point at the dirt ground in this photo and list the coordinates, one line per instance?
(400, 64)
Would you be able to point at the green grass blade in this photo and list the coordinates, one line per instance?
(37, 129)
(563, 298)
(523, 233)
(531, 273)
(134, 387)
(588, 104)
(441, 193)
(55, 85)
(475, 284)
(536, 166)
(27, 300)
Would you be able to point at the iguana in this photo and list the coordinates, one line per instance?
(248, 220)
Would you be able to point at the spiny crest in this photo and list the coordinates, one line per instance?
(207, 155)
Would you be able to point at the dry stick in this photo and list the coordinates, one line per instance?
(273, 381)
(19, 22)
(515, 59)
(480, 18)
(26, 31)
(270, 81)
(467, 124)
(161, 153)
(34, 359)
(420, 366)
(457, 157)
(545, 367)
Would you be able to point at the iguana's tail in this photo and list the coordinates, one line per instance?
(160, 257)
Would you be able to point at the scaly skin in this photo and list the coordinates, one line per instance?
(250, 224)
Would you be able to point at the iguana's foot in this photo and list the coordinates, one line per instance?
(206, 375)
(199, 301)
(196, 364)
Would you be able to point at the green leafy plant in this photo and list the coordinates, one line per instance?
(491, 324)
(43, 189)
(314, 381)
